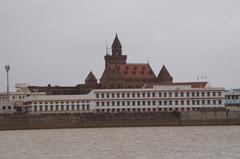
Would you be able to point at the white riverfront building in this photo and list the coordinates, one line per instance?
(160, 98)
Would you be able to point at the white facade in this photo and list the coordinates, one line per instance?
(22, 92)
(232, 100)
(157, 99)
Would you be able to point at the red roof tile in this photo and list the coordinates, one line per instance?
(141, 71)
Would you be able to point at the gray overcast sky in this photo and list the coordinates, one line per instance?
(60, 41)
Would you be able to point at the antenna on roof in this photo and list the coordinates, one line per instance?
(106, 49)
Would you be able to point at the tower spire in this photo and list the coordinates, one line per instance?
(116, 47)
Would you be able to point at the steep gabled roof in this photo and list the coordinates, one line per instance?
(130, 71)
(90, 78)
(116, 43)
(164, 75)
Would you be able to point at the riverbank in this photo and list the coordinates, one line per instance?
(92, 120)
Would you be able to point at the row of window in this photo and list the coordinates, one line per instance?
(133, 110)
(6, 108)
(12, 97)
(165, 102)
(160, 94)
(62, 102)
(232, 97)
(60, 107)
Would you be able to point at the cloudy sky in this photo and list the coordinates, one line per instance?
(60, 41)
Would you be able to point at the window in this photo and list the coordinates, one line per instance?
(78, 107)
(87, 107)
(123, 103)
(170, 102)
(35, 108)
(153, 94)
(107, 95)
(103, 103)
(165, 102)
(148, 94)
(83, 107)
(219, 102)
(102, 95)
(188, 94)
(182, 94)
(118, 95)
(118, 103)
(108, 103)
(193, 102)
(188, 102)
(214, 94)
(113, 103)
(149, 102)
(97, 104)
(197, 94)
(160, 94)
(193, 94)
(214, 102)
(198, 102)
(46, 108)
(128, 103)
(176, 102)
(165, 94)
(138, 103)
(176, 94)
(219, 94)
(62, 107)
(160, 102)
(208, 94)
(143, 95)
(133, 95)
(138, 94)
(113, 95)
(208, 102)
(67, 107)
(170, 94)
(143, 103)
(123, 95)
(133, 103)
(51, 107)
(203, 94)
(128, 95)
(182, 102)
(97, 95)
(153, 103)
(203, 102)
(57, 107)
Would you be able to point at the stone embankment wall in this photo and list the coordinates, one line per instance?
(27, 121)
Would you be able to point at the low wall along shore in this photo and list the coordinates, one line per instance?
(27, 121)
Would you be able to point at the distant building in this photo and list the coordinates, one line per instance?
(117, 74)
(232, 100)
(7, 108)
(160, 98)
(16, 98)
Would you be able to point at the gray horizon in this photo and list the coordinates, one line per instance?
(58, 42)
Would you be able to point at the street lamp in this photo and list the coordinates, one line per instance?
(7, 68)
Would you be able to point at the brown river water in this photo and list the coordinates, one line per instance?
(200, 142)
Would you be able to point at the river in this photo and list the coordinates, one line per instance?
(200, 142)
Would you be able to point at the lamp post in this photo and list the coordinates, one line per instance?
(7, 68)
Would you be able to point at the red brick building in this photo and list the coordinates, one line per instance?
(117, 74)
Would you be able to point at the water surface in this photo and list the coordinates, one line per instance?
(209, 142)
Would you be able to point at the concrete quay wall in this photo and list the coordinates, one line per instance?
(91, 120)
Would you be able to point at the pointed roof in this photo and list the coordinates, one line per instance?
(164, 75)
(130, 71)
(90, 78)
(116, 43)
